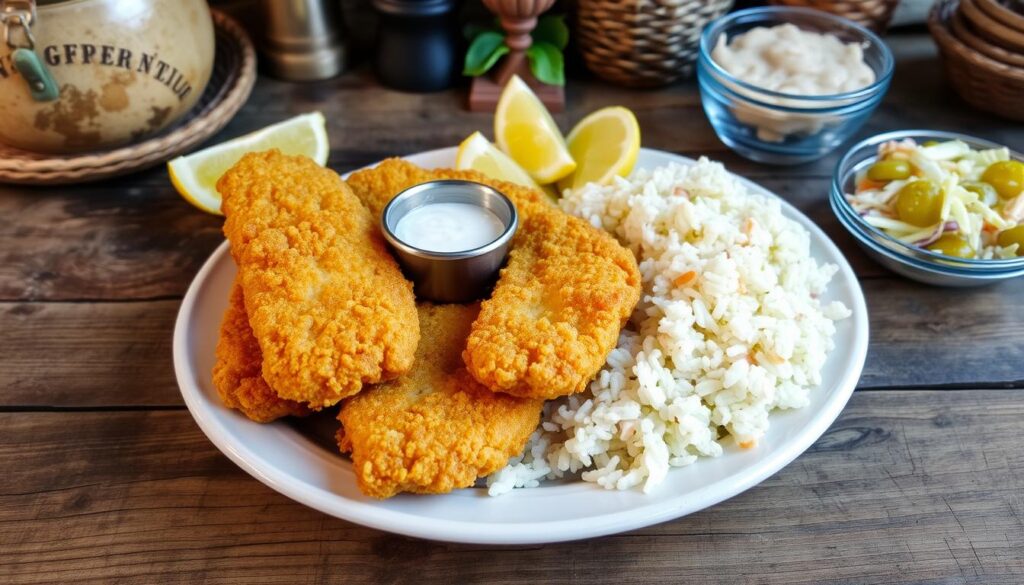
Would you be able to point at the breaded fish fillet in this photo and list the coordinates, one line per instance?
(377, 186)
(326, 301)
(556, 311)
(560, 302)
(434, 429)
(237, 373)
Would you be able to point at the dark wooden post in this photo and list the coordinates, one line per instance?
(518, 18)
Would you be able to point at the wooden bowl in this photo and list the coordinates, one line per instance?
(962, 30)
(982, 82)
(1002, 13)
(991, 29)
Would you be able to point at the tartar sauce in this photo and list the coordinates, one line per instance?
(787, 59)
(449, 227)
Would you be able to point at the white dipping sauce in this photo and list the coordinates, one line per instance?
(791, 60)
(449, 227)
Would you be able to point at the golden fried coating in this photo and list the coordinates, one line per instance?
(434, 429)
(237, 372)
(377, 186)
(326, 301)
(560, 302)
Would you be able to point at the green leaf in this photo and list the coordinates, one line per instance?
(551, 29)
(546, 63)
(483, 53)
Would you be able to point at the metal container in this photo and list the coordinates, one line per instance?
(451, 277)
(302, 40)
(418, 44)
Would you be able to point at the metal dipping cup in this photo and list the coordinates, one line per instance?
(451, 277)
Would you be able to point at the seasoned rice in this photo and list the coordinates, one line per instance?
(730, 328)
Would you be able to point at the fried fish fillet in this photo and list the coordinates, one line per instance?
(434, 429)
(560, 302)
(237, 373)
(377, 186)
(326, 301)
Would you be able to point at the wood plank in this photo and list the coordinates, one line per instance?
(87, 354)
(118, 354)
(907, 487)
(97, 242)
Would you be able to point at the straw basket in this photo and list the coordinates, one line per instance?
(874, 14)
(643, 43)
(983, 82)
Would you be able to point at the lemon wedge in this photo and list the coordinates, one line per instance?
(478, 154)
(524, 129)
(604, 144)
(195, 176)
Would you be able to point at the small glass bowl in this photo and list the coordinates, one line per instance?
(781, 128)
(906, 259)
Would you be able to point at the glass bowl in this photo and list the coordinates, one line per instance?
(905, 259)
(782, 128)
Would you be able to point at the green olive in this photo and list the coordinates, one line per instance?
(889, 170)
(919, 203)
(1007, 176)
(1009, 237)
(986, 193)
(952, 245)
(931, 143)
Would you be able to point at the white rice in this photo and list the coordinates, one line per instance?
(698, 362)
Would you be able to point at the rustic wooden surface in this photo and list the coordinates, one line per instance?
(105, 478)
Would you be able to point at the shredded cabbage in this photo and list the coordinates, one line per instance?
(949, 165)
(945, 150)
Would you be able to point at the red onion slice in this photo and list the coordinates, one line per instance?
(949, 226)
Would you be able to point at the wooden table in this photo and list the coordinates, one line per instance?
(105, 478)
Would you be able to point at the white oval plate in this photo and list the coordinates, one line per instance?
(306, 470)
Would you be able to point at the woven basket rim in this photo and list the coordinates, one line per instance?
(940, 32)
(962, 30)
(19, 166)
(992, 28)
(996, 10)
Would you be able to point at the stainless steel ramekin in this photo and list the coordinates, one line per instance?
(451, 277)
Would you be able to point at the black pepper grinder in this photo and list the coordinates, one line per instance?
(417, 44)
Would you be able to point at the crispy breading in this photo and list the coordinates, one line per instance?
(237, 372)
(326, 301)
(376, 186)
(434, 429)
(556, 311)
(560, 302)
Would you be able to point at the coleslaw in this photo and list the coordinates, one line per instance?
(945, 197)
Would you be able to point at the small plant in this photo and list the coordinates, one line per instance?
(487, 46)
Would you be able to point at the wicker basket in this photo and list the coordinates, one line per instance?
(992, 28)
(965, 33)
(874, 14)
(982, 82)
(1010, 16)
(643, 43)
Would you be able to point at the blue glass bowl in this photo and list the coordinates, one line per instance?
(905, 259)
(780, 128)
